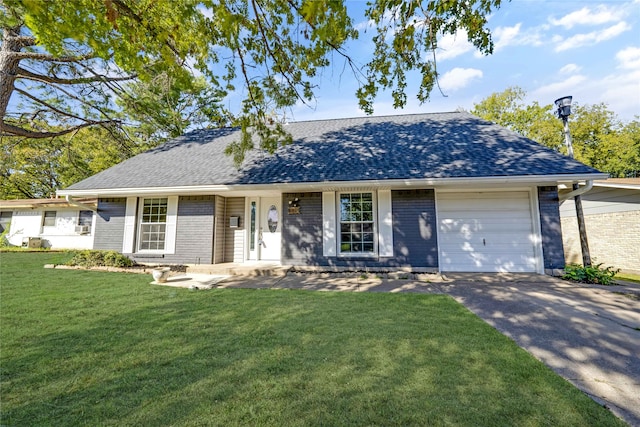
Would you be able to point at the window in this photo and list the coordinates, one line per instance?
(5, 220)
(85, 218)
(153, 224)
(356, 223)
(49, 219)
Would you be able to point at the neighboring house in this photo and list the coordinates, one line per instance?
(49, 223)
(425, 192)
(612, 219)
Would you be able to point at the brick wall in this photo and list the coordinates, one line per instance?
(614, 240)
(550, 228)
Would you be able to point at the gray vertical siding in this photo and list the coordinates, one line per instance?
(219, 238)
(234, 237)
(415, 240)
(302, 233)
(194, 231)
(550, 229)
(109, 230)
(414, 233)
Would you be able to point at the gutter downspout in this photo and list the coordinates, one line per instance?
(577, 192)
(73, 202)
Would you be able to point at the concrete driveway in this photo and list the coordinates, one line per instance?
(589, 335)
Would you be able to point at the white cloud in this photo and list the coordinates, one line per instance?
(629, 58)
(546, 94)
(570, 69)
(585, 16)
(506, 36)
(515, 36)
(452, 45)
(458, 78)
(619, 90)
(594, 37)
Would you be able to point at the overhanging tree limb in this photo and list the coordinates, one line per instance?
(99, 78)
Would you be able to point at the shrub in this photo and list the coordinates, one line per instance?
(593, 274)
(91, 258)
(4, 239)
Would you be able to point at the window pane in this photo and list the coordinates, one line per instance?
(5, 220)
(49, 219)
(153, 224)
(85, 218)
(356, 222)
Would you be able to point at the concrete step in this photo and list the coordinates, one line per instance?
(238, 269)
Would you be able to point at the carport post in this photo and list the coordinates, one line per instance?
(564, 110)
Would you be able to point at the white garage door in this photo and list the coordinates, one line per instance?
(486, 232)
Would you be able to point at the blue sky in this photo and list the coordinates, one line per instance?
(587, 49)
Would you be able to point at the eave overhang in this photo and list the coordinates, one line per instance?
(395, 184)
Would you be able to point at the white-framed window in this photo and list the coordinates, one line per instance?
(5, 220)
(357, 223)
(85, 218)
(49, 219)
(153, 224)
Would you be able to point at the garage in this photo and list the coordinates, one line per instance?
(486, 232)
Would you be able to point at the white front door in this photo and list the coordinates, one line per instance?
(265, 225)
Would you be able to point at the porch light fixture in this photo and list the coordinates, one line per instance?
(564, 107)
(294, 203)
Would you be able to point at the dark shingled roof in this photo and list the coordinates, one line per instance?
(444, 145)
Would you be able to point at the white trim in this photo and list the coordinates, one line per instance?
(241, 189)
(385, 224)
(128, 240)
(329, 238)
(171, 225)
(537, 229)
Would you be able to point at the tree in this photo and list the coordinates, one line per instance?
(599, 139)
(37, 167)
(269, 51)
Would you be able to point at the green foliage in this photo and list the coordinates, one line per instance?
(266, 53)
(4, 240)
(593, 274)
(34, 168)
(94, 258)
(599, 139)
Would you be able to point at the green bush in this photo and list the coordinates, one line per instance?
(91, 258)
(593, 274)
(4, 237)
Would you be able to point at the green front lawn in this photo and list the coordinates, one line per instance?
(95, 348)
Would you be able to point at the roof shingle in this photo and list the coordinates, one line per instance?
(444, 145)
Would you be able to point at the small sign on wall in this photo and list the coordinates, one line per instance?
(234, 221)
(294, 207)
(294, 210)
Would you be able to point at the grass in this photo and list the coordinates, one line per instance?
(628, 277)
(97, 348)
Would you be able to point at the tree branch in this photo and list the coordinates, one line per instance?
(51, 107)
(56, 80)
(51, 58)
(7, 129)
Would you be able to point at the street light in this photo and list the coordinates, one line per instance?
(564, 111)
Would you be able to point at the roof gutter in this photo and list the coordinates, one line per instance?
(588, 186)
(73, 202)
(332, 185)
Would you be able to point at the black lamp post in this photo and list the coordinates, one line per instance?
(564, 111)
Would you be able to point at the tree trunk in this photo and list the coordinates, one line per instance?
(12, 44)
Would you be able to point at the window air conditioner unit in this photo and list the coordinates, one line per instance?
(82, 229)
